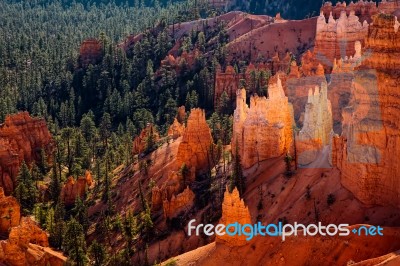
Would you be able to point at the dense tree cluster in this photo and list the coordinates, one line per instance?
(94, 111)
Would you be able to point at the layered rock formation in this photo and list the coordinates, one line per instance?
(227, 81)
(140, 142)
(22, 138)
(367, 152)
(27, 244)
(90, 52)
(178, 203)
(234, 210)
(193, 157)
(336, 39)
(230, 81)
(317, 128)
(176, 129)
(9, 213)
(73, 189)
(263, 130)
(194, 150)
(363, 9)
(300, 80)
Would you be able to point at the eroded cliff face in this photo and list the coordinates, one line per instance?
(336, 38)
(367, 152)
(73, 189)
(176, 129)
(9, 213)
(317, 127)
(182, 201)
(263, 130)
(90, 52)
(27, 244)
(233, 210)
(24, 243)
(193, 157)
(21, 139)
(194, 150)
(140, 142)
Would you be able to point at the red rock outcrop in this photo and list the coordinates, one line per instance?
(233, 210)
(177, 204)
(176, 129)
(367, 152)
(27, 244)
(21, 139)
(181, 115)
(9, 213)
(140, 142)
(227, 81)
(363, 9)
(90, 52)
(194, 150)
(73, 189)
(317, 127)
(336, 39)
(264, 130)
(300, 80)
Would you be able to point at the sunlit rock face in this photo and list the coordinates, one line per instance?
(233, 210)
(194, 150)
(140, 142)
(317, 127)
(178, 203)
(74, 189)
(367, 152)
(336, 38)
(9, 212)
(22, 138)
(263, 130)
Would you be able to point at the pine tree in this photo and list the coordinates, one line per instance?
(80, 212)
(55, 184)
(74, 243)
(105, 128)
(97, 253)
(26, 191)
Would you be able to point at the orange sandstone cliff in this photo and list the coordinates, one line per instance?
(194, 150)
(233, 210)
(317, 127)
(23, 242)
(263, 130)
(367, 152)
(22, 138)
(74, 189)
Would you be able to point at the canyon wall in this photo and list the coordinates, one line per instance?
(363, 9)
(367, 152)
(21, 139)
(263, 130)
(336, 38)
